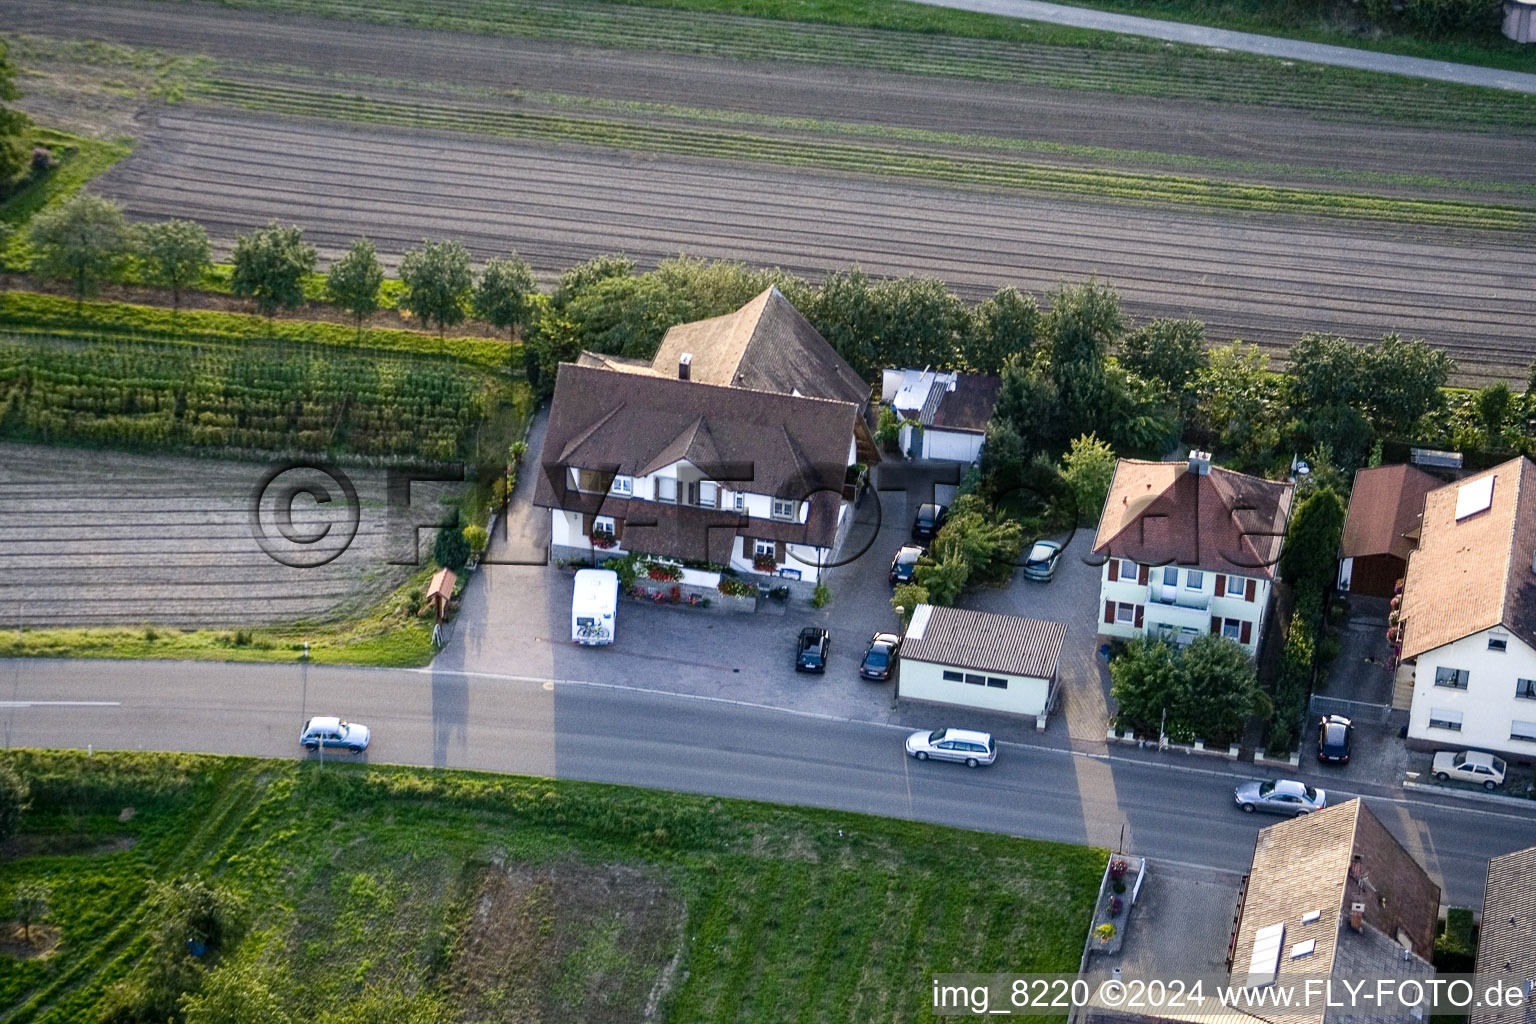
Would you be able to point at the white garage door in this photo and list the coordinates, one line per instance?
(943, 444)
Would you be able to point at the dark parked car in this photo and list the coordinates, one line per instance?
(880, 659)
(928, 521)
(904, 565)
(1334, 735)
(811, 651)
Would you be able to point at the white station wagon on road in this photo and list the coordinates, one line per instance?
(333, 732)
(970, 748)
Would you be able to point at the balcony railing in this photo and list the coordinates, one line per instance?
(1178, 597)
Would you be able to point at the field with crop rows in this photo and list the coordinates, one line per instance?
(96, 537)
(1263, 280)
(1296, 203)
(449, 895)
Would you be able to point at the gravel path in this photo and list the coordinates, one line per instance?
(1263, 279)
(1249, 42)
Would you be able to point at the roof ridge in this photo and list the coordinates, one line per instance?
(1514, 536)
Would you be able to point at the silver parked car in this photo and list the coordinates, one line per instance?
(1040, 566)
(1280, 796)
(971, 748)
(333, 732)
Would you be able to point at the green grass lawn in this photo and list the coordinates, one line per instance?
(445, 895)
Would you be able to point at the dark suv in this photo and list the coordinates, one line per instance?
(929, 521)
(811, 650)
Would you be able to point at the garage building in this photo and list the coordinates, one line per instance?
(974, 659)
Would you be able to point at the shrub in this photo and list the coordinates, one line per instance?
(450, 549)
(820, 596)
(15, 793)
(663, 572)
(42, 159)
(476, 538)
(737, 588)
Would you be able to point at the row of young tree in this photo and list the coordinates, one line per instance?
(86, 240)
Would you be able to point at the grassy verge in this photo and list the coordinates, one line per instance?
(922, 40)
(388, 635)
(477, 896)
(77, 161)
(976, 171)
(31, 312)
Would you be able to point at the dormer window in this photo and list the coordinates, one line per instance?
(785, 508)
(622, 485)
(666, 489)
(588, 480)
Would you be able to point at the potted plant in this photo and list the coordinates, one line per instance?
(764, 563)
(603, 539)
(1104, 933)
(1118, 867)
(1116, 904)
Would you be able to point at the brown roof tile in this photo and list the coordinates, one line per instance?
(765, 345)
(984, 641)
(1385, 505)
(1471, 574)
(1326, 862)
(618, 422)
(1506, 947)
(1160, 512)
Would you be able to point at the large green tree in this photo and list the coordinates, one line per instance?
(1204, 691)
(1088, 467)
(1239, 404)
(1004, 326)
(175, 254)
(437, 282)
(1144, 681)
(82, 240)
(1169, 353)
(1309, 558)
(846, 310)
(920, 323)
(270, 265)
(354, 281)
(13, 124)
(503, 295)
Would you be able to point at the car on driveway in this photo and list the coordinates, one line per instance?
(929, 521)
(333, 732)
(811, 650)
(904, 565)
(1470, 766)
(1335, 735)
(972, 749)
(1040, 566)
(880, 659)
(1280, 796)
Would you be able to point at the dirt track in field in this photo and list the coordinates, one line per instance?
(1258, 278)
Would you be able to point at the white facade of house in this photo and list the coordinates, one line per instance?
(970, 688)
(670, 486)
(1479, 693)
(1179, 603)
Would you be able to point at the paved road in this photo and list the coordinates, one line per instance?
(1249, 42)
(613, 733)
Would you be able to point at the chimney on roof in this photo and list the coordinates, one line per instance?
(684, 364)
(1357, 916)
(1200, 463)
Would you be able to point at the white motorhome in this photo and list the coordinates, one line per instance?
(593, 605)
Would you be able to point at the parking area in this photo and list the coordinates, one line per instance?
(515, 620)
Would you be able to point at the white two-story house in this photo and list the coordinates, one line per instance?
(1189, 548)
(1468, 616)
(732, 447)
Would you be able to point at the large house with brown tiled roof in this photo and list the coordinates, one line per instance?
(1382, 527)
(732, 446)
(1189, 548)
(1468, 616)
(1506, 945)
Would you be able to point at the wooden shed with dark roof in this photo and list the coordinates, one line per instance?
(975, 659)
(1386, 507)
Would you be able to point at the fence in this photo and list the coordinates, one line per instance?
(1355, 710)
